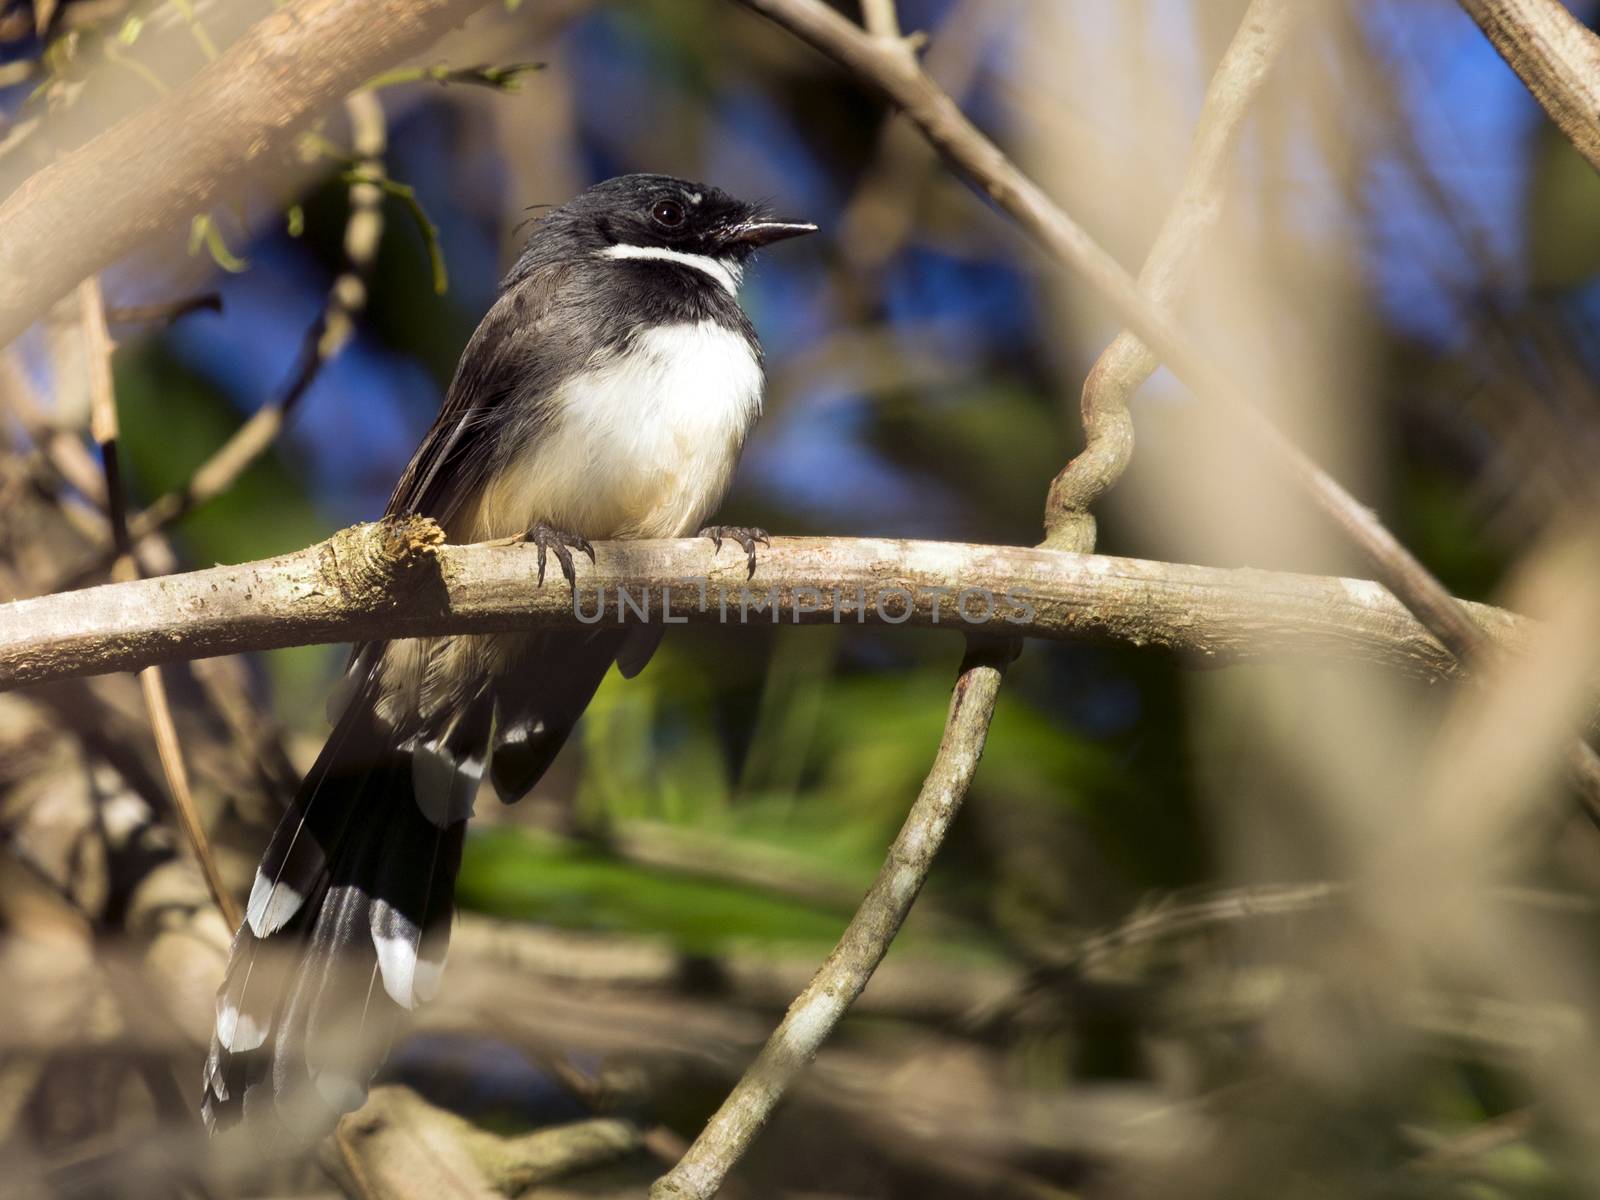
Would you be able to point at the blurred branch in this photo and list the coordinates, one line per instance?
(886, 208)
(103, 408)
(880, 18)
(1181, 914)
(503, 78)
(103, 424)
(129, 314)
(920, 988)
(170, 750)
(815, 1012)
(238, 113)
(62, 448)
(1556, 55)
(395, 579)
(891, 68)
(398, 1145)
(1126, 363)
(1462, 1152)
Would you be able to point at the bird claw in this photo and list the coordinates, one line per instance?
(746, 535)
(547, 537)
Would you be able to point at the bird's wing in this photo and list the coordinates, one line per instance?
(517, 349)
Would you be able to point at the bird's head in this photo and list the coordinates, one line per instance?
(658, 211)
(640, 216)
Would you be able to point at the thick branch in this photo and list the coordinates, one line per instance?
(395, 580)
(1556, 56)
(815, 1012)
(154, 170)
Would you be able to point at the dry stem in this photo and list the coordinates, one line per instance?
(103, 426)
(815, 1012)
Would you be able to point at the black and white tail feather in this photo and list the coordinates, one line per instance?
(348, 920)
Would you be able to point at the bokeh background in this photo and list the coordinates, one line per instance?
(1285, 1004)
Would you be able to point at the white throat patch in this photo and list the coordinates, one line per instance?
(726, 272)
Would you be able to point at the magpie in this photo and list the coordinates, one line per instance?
(607, 393)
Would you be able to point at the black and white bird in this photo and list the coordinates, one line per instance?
(607, 394)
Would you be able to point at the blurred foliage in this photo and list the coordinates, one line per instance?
(537, 878)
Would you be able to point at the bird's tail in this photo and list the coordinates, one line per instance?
(347, 924)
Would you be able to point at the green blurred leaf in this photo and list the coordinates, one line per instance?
(1563, 215)
(516, 873)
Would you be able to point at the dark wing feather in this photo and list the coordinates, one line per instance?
(529, 338)
(538, 703)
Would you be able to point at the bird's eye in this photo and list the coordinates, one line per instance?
(668, 213)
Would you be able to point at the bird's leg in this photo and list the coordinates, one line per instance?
(547, 537)
(746, 535)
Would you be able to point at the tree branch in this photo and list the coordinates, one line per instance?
(891, 68)
(1556, 56)
(152, 171)
(815, 1012)
(394, 579)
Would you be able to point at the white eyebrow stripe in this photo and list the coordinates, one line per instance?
(726, 273)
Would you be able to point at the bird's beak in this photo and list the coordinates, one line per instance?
(763, 233)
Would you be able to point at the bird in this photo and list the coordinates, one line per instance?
(607, 393)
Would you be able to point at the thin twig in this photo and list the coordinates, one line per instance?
(103, 426)
(892, 69)
(813, 1015)
(1126, 363)
(69, 458)
(880, 18)
(165, 313)
(505, 77)
(171, 753)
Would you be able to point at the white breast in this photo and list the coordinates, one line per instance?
(642, 443)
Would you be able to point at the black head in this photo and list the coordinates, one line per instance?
(661, 213)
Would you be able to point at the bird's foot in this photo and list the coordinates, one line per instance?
(548, 538)
(746, 535)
